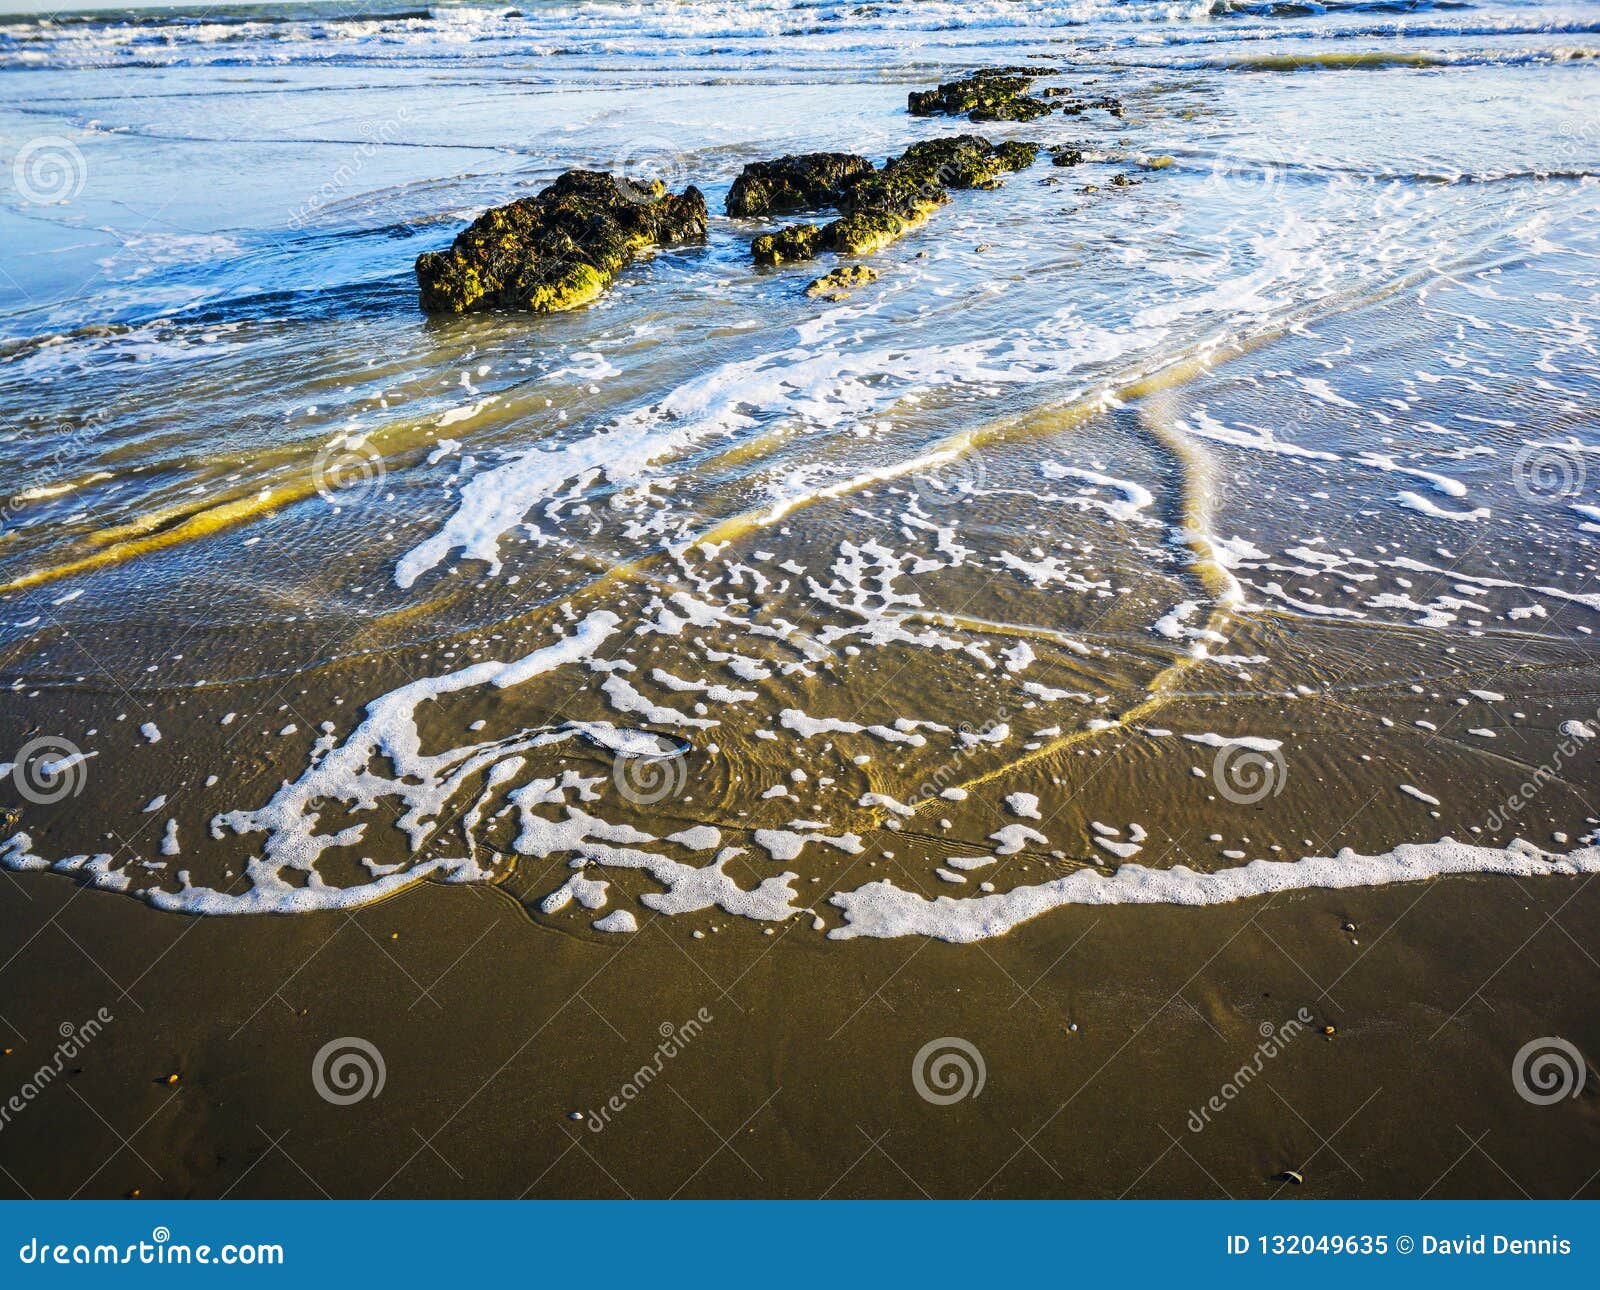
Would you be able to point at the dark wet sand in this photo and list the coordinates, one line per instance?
(493, 1029)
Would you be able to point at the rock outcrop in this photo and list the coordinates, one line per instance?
(876, 207)
(993, 94)
(799, 183)
(558, 249)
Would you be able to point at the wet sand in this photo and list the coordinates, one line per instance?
(492, 1029)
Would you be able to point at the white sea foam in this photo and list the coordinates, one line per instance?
(881, 909)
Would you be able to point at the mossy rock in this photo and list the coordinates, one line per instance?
(877, 207)
(869, 231)
(992, 94)
(558, 249)
(788, 245)
(963, 161)
(1077, 107)
(1018, 108)
(804, 182)
(838, 283)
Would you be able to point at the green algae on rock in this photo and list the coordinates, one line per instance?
(1077, 107)
(795, 183)
(879, 206)
(963, 161)
(797, 242)
(836, 284)
(992, 94)
(885, 206)
(558, 249)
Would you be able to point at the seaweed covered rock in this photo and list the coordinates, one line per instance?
(797, 242)
(1077, 107)
(992, 94)
(883, 207)
(558, 249)
(795, 183)
(876, 207)
(838, 283)
(964, 161)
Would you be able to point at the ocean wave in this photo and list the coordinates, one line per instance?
(322, 32)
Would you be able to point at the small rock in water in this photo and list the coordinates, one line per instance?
(839, 283)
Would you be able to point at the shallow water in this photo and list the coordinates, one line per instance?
(1245, 513)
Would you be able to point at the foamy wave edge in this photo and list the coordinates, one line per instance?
(882, 910)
